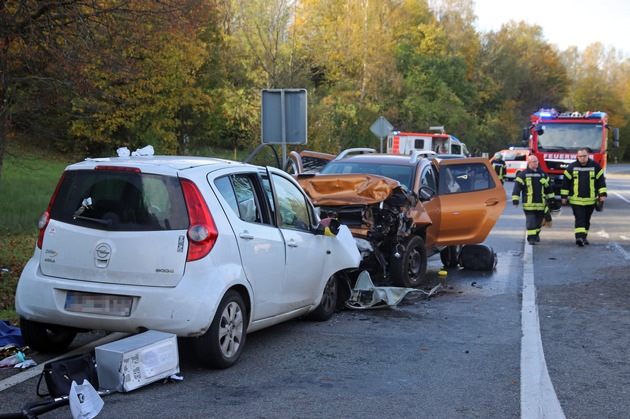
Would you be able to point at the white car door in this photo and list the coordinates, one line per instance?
(260, 242)
(305, 251)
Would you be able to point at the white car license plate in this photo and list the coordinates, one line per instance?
(113, 305)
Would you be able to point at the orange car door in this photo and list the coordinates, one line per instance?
(471, 199)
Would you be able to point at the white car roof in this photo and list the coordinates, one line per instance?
(156, 163)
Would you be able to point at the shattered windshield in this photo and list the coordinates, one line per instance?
(403, 174)
(563, 137)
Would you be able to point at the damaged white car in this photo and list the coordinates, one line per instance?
(199, 247)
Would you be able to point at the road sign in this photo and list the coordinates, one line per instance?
(381, 127)
(284, 116)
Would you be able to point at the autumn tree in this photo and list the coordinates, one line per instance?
(137, 86)
(59, 63)
(255, 50)
(523, 73)
(600, 81)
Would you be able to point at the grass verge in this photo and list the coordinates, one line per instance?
(28, 180)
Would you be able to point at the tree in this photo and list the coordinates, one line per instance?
(59, 50)
(521, 73)
(138, 85)
(600, 81)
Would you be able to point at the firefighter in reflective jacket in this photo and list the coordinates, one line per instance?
(533, 186)
(499, 166)
(583, 185)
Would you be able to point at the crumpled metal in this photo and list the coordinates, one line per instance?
(365, 295)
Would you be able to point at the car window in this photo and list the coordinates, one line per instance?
(240, 193)
(403, 174)
(120, 201)
(293, 208)
(428, 178)
(465, 178)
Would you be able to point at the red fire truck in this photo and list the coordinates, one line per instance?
(555, 138)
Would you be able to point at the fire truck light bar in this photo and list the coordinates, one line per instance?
(552, 113)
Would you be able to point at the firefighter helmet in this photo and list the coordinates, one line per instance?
(554, 207)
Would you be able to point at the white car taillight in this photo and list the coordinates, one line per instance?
(43, 220)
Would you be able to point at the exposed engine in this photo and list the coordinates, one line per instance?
(379, 228)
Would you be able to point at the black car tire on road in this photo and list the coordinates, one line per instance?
(328, 305)
(449, 256)
(221, 346)
(409, 263)
(46, 338)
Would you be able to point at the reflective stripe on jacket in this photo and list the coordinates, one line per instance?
(583, 184)
(499, 168)
(534, 187)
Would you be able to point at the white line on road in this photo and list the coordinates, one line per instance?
(617, 247)
(538, 397)
(620, 196)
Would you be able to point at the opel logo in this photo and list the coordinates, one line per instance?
(103, 252)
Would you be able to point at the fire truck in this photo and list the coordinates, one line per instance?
(555, 138)
(440, 143)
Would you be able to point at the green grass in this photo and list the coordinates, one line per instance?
(28, 180)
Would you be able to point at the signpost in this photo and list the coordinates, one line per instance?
(284, 118)
(381, 128)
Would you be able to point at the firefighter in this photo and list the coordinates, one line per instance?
(533, 185)
(583, 185)
(499, 166)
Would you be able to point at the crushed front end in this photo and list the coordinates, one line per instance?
(377, 210)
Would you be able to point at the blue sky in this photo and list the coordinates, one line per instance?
(565, 23)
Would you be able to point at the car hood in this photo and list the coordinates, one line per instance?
(340, 190)
(349, 189)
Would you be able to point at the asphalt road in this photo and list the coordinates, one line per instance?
(463, 353)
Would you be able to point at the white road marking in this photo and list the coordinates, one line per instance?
(620, 196)
(538, 397)
(616, 246)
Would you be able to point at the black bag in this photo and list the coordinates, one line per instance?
(60, 374)
(477, 257)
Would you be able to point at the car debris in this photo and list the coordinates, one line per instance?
(365, 295)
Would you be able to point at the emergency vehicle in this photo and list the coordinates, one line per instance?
(555, 138)
(441, 142)
(515, 159)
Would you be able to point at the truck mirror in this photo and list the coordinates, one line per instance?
(525, 135)
(539, 129)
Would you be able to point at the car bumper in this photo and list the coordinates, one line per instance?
(185, 310)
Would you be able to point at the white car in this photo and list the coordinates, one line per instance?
(199, 247)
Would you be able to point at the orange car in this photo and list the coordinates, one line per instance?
(405, 208)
